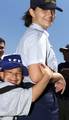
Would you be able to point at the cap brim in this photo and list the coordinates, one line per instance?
(63, 49)
(51, 6)
(59, 9)
(8, 65)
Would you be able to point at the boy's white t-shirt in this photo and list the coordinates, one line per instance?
(15, 102)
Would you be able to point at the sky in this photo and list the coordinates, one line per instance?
(12, 27)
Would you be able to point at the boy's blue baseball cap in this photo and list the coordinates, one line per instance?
(45, 4)
(13, 61)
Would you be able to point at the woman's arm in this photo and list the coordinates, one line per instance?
(35, 72)
(36, 75)
(60, 83)
(41, 85)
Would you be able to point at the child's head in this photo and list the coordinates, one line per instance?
(13, 69)
(42, 4)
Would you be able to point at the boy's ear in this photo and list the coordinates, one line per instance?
(31, 11)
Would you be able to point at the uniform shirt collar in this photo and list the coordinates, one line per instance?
(38, 27)
(47, 34)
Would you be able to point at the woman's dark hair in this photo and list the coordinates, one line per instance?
(27, 19)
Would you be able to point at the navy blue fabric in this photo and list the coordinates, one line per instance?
(13, 61)
(45, 4)
(64, 98)
(66, 92)
(45, 108)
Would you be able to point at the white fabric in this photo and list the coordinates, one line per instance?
(34, 45)
(15, 102)
(6, 118)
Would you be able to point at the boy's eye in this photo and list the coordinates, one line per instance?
(11, 73)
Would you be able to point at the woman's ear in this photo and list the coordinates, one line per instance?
(31, 11)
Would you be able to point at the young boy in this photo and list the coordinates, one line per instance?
(14, 100)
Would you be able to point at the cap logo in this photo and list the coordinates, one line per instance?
(9, 60)
(50, 1)
(14, 60)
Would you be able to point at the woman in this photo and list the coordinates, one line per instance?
(35, 49)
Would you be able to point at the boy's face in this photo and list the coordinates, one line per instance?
(42, 17)
(13, 76)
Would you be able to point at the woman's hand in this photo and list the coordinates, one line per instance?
(60, 83)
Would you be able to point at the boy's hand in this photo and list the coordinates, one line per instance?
(46, 70)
